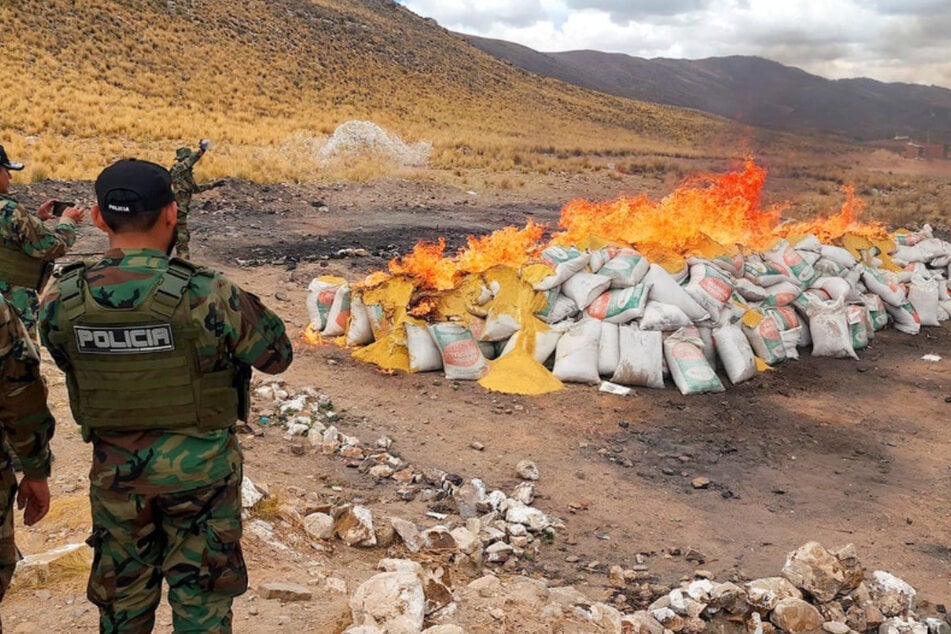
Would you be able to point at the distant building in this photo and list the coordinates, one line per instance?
(927, 151)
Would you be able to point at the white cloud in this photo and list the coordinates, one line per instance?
(888, 40)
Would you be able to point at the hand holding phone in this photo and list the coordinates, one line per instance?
(59, 207)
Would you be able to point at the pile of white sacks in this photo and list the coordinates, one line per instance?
(611, 314)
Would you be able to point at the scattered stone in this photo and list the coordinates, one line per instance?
(766, 593)
(527, 470)
(796, 616)
(834, 627)
(815, 570)
(319, 526)
(354, 525)
(408, 533)
(701, 482)
(478, 446)
(393, 601)
(336, 584)
(284, 591)
(524, 492)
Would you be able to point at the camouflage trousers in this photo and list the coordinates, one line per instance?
(183, 234)
(191, 539)
(9, 555)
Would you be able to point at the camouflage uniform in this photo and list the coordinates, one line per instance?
(24, 231)
(167, 504)
(184, 186)
(26, 425)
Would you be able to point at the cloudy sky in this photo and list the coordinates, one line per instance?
(888, 40)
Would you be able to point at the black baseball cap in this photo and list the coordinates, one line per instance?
(6, 162)
(132, 186)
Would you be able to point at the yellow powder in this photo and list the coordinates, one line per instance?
(519, 373)
(536, 272)
(388, 353)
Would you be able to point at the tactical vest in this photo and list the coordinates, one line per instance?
(137, 368)
(19, 269)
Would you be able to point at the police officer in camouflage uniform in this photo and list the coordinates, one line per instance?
(27, 246)
(27, 426)
(158, 353)
(184, 186)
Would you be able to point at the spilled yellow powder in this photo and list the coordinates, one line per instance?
(751, 318)
(536, 272)
(519, 373)
(762, 366)
(390, 352)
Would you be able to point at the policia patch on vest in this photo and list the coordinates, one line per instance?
(124, 339)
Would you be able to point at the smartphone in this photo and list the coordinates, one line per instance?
(59, 207)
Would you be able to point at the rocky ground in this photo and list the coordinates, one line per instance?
(638, 492)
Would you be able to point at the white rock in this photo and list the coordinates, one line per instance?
(400, 565)
(898, 625)
(700, 590)
(296, 429)
(527, 470)
(524, 492)
(529, 516)
(391, 600)
(485, 586)
(296, 404)
(319, 526)
(354, 526)
(446, 628)
(466, 541)
(883, 582)
(250, 494)
(495, 499)
(408, 533)
(330, 441)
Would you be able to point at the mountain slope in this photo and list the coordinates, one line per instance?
(86, 82)
(750, 89)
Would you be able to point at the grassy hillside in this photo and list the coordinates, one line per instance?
(86, 81)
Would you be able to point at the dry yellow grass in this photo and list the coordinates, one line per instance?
(84, 83)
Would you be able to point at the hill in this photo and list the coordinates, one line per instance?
(749, 89)
(87, 82)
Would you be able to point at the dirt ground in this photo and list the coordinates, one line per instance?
(835, 451)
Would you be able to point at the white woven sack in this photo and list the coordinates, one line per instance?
(735, 353)
(339, 314)
(576, 356)
(424, 355)
(641, 359)
(688, 367)
(359, 332)
(664, 288)
(609, 351)
(829, 327)
(661, 316)
(583, 288)
(923, 295)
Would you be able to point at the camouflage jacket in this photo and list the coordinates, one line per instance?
(26, 421)
(183, 180)
(22, 230)
(234, 326)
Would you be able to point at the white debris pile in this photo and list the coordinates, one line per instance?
(818, 590)
(492, 526)
(610, 314)
(364, 139)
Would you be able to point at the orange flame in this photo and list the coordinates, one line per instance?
(706, 214)
(427, 264)
(846, 221)
(723, 208)
(431, 269)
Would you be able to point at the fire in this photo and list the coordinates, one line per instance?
(725, 209)
(833, 228)
(429, 266)
(509, 246)
(707, 216)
